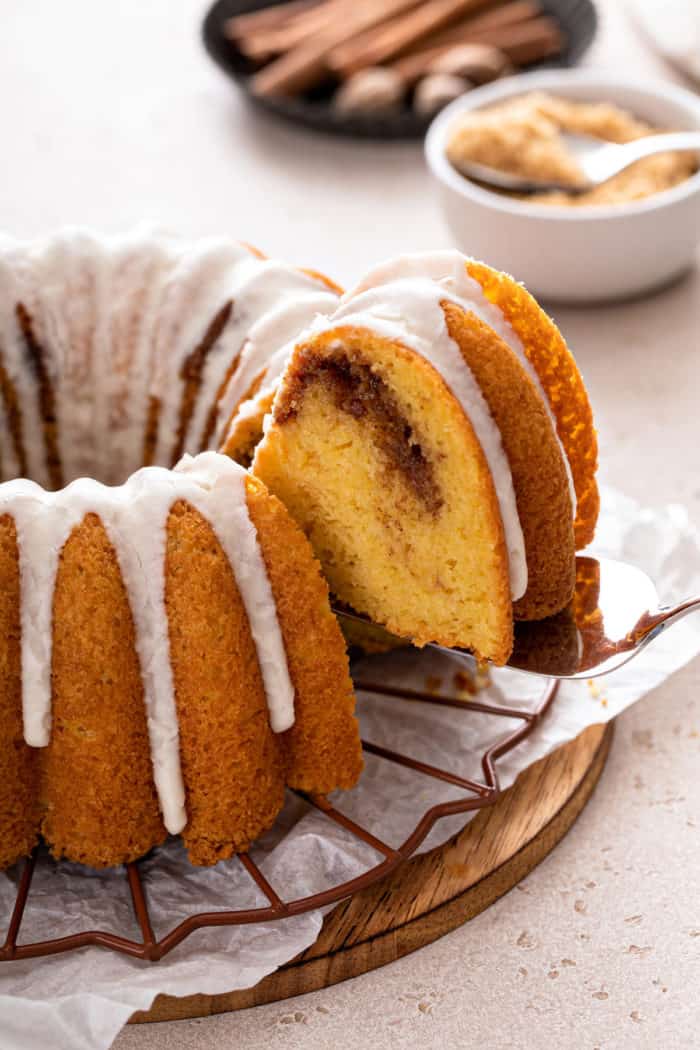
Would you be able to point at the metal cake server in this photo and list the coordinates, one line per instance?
(614, 614)
(598, 161)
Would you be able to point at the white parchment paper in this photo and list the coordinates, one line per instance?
(82, 999)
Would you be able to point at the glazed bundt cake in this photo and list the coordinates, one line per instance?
(169, 660)
(168, 657)
(434, 439)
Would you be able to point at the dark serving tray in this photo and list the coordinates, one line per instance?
(577, 18)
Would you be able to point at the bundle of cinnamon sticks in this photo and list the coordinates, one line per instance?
(390, 46)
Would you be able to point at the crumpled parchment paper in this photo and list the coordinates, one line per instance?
(82, 999)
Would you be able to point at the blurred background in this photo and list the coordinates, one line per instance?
(115, 114)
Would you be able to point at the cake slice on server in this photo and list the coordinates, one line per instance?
(435, 441)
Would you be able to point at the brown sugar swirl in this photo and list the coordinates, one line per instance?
(360, 392)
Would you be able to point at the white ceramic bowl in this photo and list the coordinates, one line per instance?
(575, 254)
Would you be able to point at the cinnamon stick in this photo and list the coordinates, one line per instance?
(278, 39)
(305, 65)
(523, 43)
(268, 18)
(506, 14)
(398, 35)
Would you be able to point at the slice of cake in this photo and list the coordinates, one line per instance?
(434, 439)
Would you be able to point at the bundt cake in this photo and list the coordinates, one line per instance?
(434, 439)
(168, 657)
(169, 648)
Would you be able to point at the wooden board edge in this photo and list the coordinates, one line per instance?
(301, 976)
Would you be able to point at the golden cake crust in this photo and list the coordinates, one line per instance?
(323, 746)
(232, 762)
(96, 778)
(244, 436)
(535, 459)
(552, 360)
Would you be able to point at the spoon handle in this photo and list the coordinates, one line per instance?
(671, 142)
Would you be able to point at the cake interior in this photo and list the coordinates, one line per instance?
(368, 454)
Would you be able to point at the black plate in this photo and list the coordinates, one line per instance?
(577, 18)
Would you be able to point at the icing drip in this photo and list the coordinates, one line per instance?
(133, 274)
(135, 516)
(200, 284)
(64, 282)
(224, 505)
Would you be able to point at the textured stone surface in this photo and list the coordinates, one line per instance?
(117, 116)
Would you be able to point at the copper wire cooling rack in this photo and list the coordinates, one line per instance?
(478, 795)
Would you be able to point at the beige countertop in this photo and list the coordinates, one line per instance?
(113, 115)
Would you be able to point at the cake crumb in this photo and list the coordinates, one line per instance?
(526, 941)
(464, 683)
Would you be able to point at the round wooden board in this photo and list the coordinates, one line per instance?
(432, 893)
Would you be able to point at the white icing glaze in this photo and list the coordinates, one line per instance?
(135, 516)
(203, 280)
(134, 270)
(221, 498)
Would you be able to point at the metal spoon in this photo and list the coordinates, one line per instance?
(614, 614)
(598, 161)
